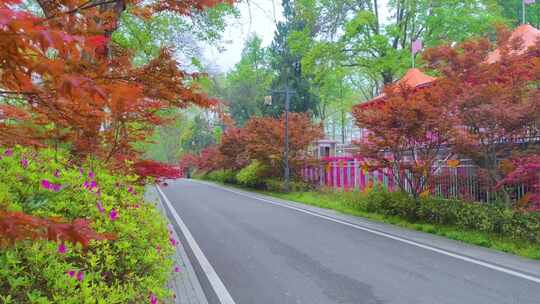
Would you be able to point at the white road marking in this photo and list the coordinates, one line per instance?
(390, 236)
(219, 288)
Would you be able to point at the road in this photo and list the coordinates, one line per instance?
(266, 253)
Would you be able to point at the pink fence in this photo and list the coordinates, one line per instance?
(346, 173)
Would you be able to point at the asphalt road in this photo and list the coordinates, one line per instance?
(265, 253)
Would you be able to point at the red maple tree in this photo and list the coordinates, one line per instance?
(407, 133)
(495, 103)
(64, 82)
(265, 141)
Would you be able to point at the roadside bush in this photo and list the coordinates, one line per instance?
(222, 176)
(277, 185)
(132, 267)
(252, 175)
(518, 225)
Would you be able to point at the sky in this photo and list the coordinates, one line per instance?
(258, 17)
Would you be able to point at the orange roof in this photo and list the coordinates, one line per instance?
(526, 32)
(414, 78)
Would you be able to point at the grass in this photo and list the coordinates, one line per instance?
(333, 201)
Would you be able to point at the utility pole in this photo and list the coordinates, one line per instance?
(268, 101)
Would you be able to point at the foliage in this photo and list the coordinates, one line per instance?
(127, 269)
(525, 170)
(266, 141)
(407, 133)
(156, 170)
(233, 147)
(512, 10)
(65, 82)
(278, 185)
(437, 216)
(210, 159)
(495, 103)
(288, 66)
(252, 175)
(249, 82)
(222, 176)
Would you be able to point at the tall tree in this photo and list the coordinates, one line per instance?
(249, 82)
(513, 11)
(356, 34)
(288, 66)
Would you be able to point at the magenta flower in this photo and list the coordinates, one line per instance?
(130, 189)
(56, 187)
(153, 299)
(50, 186)
(71, 273)
(173, 241)
(81, 171)
(56, 173)
(62, 248)
(176, 269)
(91, 175)
(80, 276)
(46, 184)
(24, 163)
(113, 215)
(9, 152)
(100, 207)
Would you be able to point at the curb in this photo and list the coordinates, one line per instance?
(185, 285)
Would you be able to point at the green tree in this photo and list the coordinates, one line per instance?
(249, 81)
(288, 65)
(513, 11)
(355, 34)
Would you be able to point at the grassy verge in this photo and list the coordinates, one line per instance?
(332, 201)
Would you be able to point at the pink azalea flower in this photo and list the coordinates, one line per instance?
(9, 152)
(24, 163)
(46, 184)
(153, 299)
(56, 187)
(113, 215)
(100, 207)
(80, 276)
(62, 248)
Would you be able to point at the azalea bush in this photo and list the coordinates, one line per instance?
(130, 263)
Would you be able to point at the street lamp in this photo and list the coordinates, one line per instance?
(268, 102)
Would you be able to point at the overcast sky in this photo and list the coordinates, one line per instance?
(259, 17)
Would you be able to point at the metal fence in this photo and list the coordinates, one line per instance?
(459, 181)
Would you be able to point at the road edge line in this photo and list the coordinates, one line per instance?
(217, 285)
(390, 236)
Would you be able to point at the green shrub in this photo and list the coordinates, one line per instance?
(518, 225)
(222, 176)
(252, 175)
(278, 185)
(126, 270)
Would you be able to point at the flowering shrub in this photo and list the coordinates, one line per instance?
(131, 266)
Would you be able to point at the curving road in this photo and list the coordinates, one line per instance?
(272, 253)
